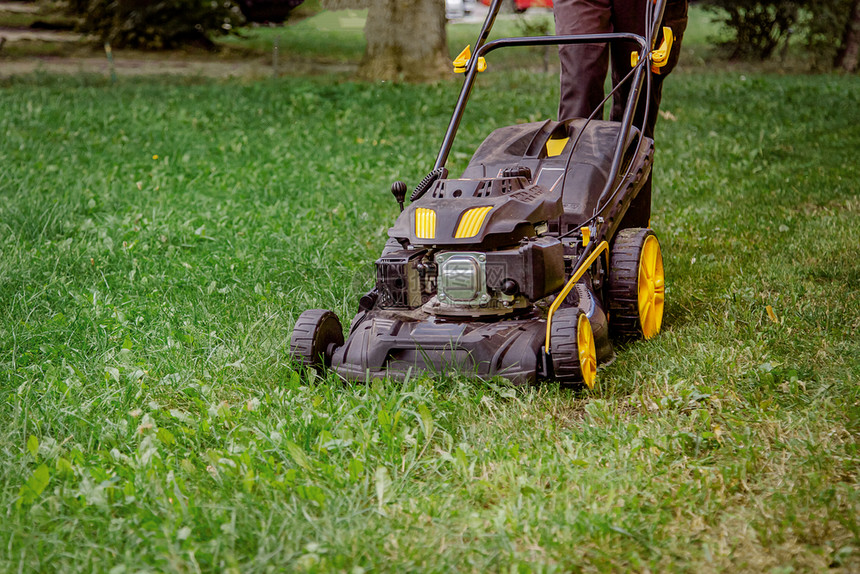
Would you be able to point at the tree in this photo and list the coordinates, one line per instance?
(406, 39)
(849, 53)
(831, 31)
(758, 27)
(831, 28)
(156, 25)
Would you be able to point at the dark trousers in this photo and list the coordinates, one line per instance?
(584, 68)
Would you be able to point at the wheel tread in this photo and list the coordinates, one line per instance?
(313, 331)
(623, 288)
(565, 351)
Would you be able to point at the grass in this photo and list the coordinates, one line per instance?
(48, 16)
(160, 237)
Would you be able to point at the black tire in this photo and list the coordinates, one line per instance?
(316, 335)
(635, 291)
(573, 364)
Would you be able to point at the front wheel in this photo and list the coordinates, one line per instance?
(574, 358)
(316, 336)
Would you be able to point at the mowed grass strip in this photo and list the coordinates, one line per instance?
(158, 239)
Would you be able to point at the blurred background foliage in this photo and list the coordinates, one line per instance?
(758, 30)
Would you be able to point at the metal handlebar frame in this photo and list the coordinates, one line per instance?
(646, 45)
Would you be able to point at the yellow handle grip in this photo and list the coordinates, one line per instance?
(660, 56)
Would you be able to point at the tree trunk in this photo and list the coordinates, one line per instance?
(850, 54)
(406, 41)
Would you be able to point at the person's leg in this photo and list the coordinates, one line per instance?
(629, 16)
(583, 66)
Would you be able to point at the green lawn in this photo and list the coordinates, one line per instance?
(158, 238)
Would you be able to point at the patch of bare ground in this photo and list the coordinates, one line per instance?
(142, 67)
(32, 35)
(208, 68)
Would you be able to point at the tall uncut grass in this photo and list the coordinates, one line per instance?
(158, 239)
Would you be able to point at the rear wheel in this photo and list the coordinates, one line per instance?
(574, 358)
(315, 337)
(637, 288)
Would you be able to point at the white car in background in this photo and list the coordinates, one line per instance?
(458, 8)
(454, 9)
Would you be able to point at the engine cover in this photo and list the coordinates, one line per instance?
(490, 213)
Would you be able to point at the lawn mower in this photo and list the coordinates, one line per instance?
(519, 268)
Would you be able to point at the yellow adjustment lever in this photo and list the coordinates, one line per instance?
(660, 56)
(461, 62)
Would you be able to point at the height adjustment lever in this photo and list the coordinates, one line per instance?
(461, 62)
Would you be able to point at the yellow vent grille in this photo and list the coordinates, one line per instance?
(471, 222)
(425, 223)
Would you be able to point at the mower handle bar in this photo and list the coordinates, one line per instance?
(472, 71)
(646, 44)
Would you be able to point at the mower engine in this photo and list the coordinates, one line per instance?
(444, 273)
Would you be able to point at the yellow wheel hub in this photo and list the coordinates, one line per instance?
(587, 352)
(652, 287)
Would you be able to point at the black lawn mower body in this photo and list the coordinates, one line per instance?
(518, 268)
